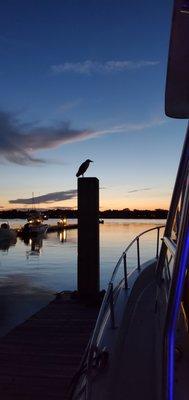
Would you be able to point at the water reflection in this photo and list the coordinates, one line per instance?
(35, 243)
(5, 244)
(20, 297)
(63, 236)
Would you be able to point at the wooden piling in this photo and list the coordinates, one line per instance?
(88, 237)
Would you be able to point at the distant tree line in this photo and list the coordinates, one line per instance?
(158, 213)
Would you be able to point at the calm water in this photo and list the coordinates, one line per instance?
(31, 273)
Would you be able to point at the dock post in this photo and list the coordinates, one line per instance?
(88, 237)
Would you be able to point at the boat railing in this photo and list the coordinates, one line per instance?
(108, 306)
(109, 298)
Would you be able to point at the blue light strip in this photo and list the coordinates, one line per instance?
(175, 308)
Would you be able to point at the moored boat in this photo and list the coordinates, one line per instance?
(35, 225)
(6, 233)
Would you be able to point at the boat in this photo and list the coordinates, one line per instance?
(35, 225)
(140, 344)
(6, 232)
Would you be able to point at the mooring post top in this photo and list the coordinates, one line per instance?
(91, 182)
(87, 179)
(88, 196)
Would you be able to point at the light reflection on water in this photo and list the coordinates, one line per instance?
(32, 271)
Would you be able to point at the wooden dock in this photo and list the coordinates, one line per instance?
(51, 228)
(39, 357)
(56, 228)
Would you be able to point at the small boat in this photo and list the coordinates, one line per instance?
(34, 228)
(140, 344)
(6, 233)
(35, 225)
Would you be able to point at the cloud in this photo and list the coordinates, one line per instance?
(139, 190)
(19, 142)
(131, 127)
(89, 67)
(47, 198)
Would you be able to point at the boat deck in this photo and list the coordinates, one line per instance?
(136, 373)
(136, 370)
(39, 357)
(132, 371)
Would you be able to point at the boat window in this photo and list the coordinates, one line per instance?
(171, 242)
(176, 224)
(177, 218)
(168, 268)
(177, 83)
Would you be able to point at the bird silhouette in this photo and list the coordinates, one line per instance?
(83, 167)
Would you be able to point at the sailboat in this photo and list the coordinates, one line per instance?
(140, 344)
(35, 225)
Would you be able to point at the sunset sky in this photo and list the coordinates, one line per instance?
(85, 79)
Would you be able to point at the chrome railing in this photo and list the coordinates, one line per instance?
(109, 300)
(171, 245)
(108, 304)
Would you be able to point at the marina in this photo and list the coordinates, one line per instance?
(43, 334)
(29, 279)
(63, 326)
(93, 307)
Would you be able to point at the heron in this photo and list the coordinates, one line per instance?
(83, 167)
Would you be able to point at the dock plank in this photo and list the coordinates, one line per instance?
(39, 357)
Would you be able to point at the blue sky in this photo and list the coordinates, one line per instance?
(85, 79)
